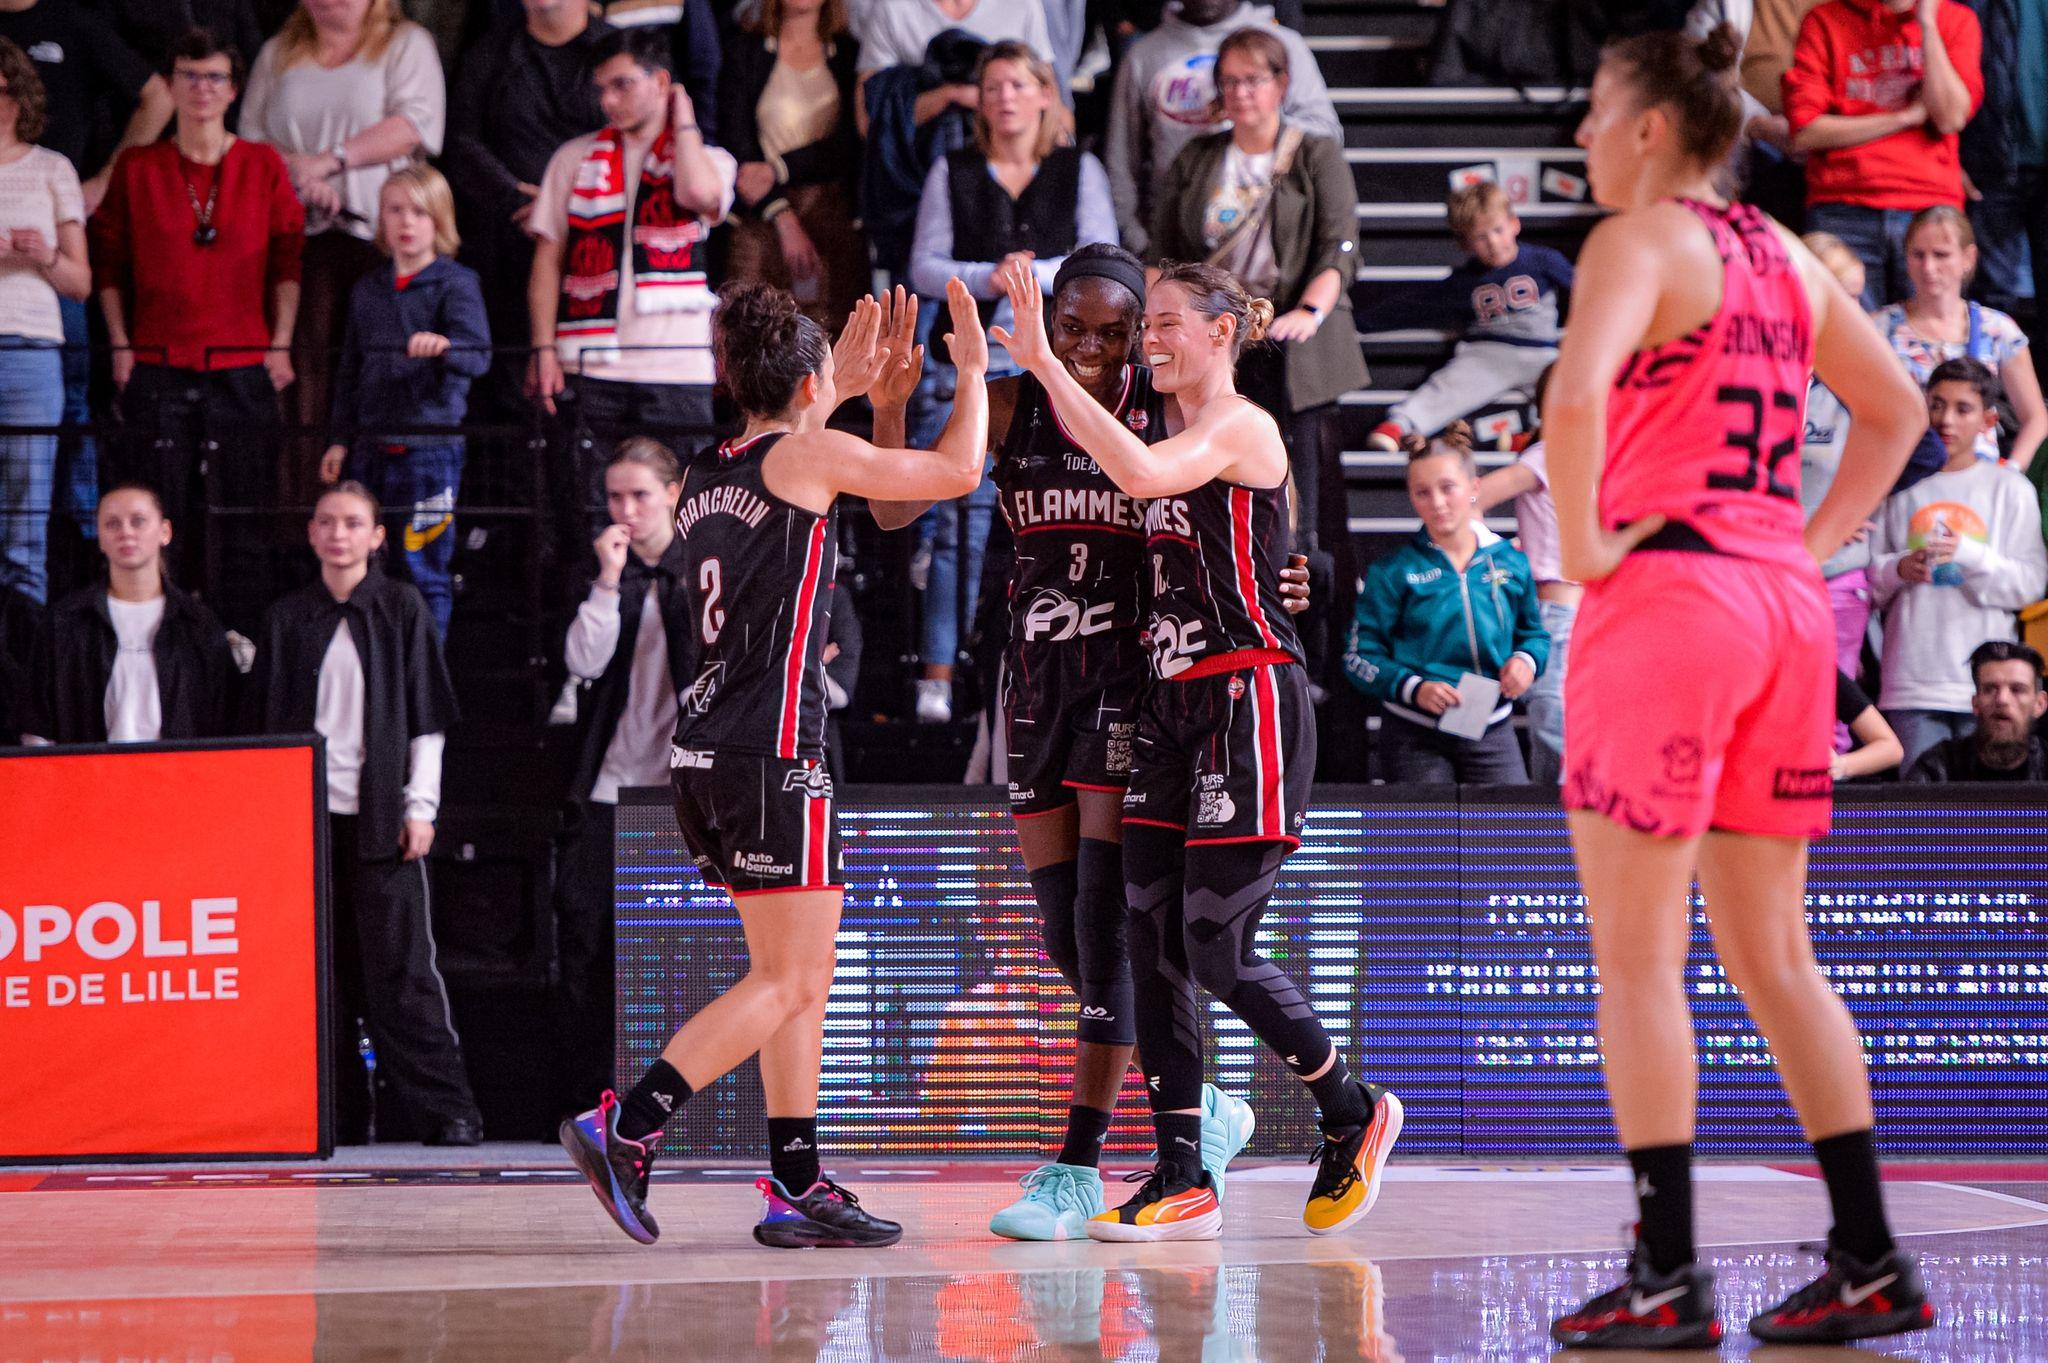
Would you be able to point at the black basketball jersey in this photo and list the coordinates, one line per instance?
(1080, 539)
(1216, 555)
(760, 571)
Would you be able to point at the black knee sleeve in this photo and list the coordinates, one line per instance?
(1054, 888)
(1163, 997)
(1099, 937)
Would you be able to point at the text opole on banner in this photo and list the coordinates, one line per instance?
(161, 952)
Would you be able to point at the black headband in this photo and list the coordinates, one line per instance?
(1116, 270)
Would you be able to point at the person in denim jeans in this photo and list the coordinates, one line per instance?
(417, 337)
(1020, 191)
(42, 259)
(1877, 93)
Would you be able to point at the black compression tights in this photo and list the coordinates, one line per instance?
(1194, 911)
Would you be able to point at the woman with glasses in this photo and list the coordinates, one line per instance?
(197, 252)
(1273, 204)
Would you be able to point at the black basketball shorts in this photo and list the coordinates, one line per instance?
(1070, 713)
(757, 824)
(1227, 758)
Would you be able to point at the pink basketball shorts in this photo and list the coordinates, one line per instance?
(1701, 695)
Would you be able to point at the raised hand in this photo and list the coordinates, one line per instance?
(857, 359)
(906, 357)
(1027, 343)
(967, 342)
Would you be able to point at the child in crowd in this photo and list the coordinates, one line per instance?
(1455, 599)
(1509, 297)
(1953, 557)
(1527, 481)
(134, 660)
(417, 335)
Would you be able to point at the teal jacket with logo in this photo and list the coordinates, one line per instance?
(1420, 620)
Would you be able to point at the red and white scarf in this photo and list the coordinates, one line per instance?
(665, 238)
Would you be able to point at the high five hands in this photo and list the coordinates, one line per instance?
(1025, 339)
(905, 357)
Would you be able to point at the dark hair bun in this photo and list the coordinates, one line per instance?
(762, 313)
(1721, 49)
(764, 346)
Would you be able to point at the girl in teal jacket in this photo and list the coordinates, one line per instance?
(1455, 599)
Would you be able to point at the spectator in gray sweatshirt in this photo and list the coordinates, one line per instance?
(1165, 97)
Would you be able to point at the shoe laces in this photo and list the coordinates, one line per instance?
(834, 1190)
(1154, 1181)
(1822, 1290)
(1336, 1170)
(1049, 1180)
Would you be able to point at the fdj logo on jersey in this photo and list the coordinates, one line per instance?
(1055, 617)
(815, 782)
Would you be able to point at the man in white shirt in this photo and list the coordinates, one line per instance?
(620, 301)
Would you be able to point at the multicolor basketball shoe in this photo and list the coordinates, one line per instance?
(1349, 1169)
(616, 1167)
(826, 1216)
(1170, 1206)
(1060, 1199)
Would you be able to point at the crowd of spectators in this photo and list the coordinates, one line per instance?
(293, 221)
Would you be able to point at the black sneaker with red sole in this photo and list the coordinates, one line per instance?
(1850, 1301)
(1650, 1310)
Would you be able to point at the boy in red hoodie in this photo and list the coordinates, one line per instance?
(1877, 92)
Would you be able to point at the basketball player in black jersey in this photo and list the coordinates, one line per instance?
(757, 521)
(1224, 751)
(1073, 669)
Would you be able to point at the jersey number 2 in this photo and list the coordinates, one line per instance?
(708, 580)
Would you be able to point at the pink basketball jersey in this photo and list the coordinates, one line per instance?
(1705, 429)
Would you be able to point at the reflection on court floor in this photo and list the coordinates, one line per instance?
(505, 1261)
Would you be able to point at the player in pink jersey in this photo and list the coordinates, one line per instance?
(1702, 671)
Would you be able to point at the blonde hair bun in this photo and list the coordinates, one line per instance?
(1258, 320)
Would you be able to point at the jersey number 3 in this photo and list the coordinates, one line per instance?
(708, 580)
(1781, 415)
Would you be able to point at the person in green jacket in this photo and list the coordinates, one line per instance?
(1455, 599)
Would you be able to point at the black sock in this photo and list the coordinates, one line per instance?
(1180, 1142)
(1849, 1164)
(1339, 1096)
(1664, 1195)
(793, 1152)
(653, 1101)
(1086, 1129)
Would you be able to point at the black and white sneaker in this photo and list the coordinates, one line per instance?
(1850, 1301)
(616, 1167)
(824, 1217)
(1648, 1310)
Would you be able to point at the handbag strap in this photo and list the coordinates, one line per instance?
(1283, 160)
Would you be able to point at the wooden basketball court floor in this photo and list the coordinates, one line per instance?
(502, 1255)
